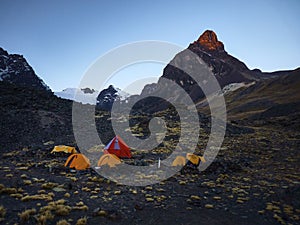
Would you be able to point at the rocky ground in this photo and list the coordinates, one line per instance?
(254, 180)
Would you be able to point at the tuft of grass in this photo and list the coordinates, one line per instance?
(2, 212)
(67, 195)
(62, 210)
(36, 197)
(82, 208)
(8, 190)
(44, 216)
(60, 202)
(27, 182)
(86, 189)
(82, 221)
(49, 185)
(80, 203)
(25, 215)
(58, 207)
(62, 222)
(23, 176)
(18, 195)
(41, 220)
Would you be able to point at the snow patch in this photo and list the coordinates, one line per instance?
(232, 87)
(122, 94)
(3, 73)
(78, 95)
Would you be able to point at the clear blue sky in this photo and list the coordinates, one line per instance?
(61, 39)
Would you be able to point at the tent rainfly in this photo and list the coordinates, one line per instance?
(109, 159)
(118, 147)
(78, 161)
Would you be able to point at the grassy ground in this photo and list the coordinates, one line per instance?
(255, 179)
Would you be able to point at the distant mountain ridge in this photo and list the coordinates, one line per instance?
(15, 69)
(104, 99)
(85, 96)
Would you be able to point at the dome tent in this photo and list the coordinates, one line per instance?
(78, 162)
(118, 147)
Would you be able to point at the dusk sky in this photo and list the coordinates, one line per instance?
(61, 39)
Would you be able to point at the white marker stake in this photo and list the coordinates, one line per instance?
(158, 162)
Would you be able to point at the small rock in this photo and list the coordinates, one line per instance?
(58, 189)
(138, 207)
(48, 143)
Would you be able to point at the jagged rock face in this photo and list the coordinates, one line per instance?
(106, 98)
(225, 67)
(31, 117)
(209, 41)
(15, 69)
(88, 90)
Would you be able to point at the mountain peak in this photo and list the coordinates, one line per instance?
(15, 69)
(209, 41)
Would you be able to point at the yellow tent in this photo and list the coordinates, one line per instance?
(78, 161)
(179, 161)
(109, 159)
(64, 148)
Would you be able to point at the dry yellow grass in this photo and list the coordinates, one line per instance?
(8, 190)
(44, 216)
(82, 208)
(63, 210)
(59, 208)
(82, 221)
(17, 195)
(36, 197)
(2, 212)
(25, 215)
(49, 185)
(62, 222)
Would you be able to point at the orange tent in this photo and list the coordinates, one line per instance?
(195, 159)
(78, 161)
(109, 159)
(118, 147)
(179, 161)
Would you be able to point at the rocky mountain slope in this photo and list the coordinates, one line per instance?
(226, 68)
(32, 117)
(15, 69)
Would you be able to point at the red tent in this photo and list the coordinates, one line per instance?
(118, 147)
